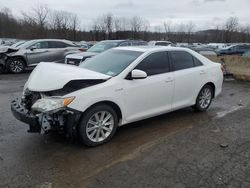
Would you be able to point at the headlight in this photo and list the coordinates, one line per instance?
(51, 104)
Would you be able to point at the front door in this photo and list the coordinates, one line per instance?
(153, 95)
(38, 52)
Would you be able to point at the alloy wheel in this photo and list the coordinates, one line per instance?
(205, 98)
(16, 66)
(100, 126)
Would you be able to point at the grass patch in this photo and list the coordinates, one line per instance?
(237, 65)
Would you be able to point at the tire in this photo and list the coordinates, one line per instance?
(204, 99)
(91, 126)
(15, 65)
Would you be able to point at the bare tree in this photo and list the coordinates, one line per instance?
(136, 25)
(231, 27)
(232, 24)
(38, 16)
(180, 31)
(74, 24)
(190, 26)
(167, 27)
(117, 24)
(108, 21)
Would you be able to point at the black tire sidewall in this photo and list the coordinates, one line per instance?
(197, 104)
(85, 118)
(9, 61)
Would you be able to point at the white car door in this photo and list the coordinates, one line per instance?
(153, 95)
(190, 75)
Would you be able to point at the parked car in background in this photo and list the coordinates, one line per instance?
(217, 45)
(84, 45)
(160, 43)
(237, 49)
(117, 87)
(246, 54)
(30, 53)
(75, 59)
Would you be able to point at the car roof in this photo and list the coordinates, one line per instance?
(151, 48)
(120, 41)
(60, 40)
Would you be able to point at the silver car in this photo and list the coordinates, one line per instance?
(30, 53)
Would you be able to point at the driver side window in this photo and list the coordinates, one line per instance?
(41, 45)
(156, 63)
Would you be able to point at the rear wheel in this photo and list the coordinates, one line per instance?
(15, 65)
(98, 125)
(204, 98)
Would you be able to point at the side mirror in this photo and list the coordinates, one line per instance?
(138, 74)
(32, 48)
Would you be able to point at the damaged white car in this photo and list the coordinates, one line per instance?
(117, 87)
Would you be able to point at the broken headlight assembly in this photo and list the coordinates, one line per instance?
(51, 104)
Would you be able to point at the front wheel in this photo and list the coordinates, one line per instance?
(98, 125)
(204, 98)
(15, 65)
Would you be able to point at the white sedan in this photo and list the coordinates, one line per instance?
(119, 86)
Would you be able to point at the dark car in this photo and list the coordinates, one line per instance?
(239, 49)
(246, 54)
(75, 59)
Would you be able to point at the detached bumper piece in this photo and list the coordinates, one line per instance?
(24, 115)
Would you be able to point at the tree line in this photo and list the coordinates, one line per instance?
(42, 22)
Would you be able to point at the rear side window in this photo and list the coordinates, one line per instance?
(182, 60)
(162, 44)
(125, 44)
(244, 47)
(56, 44)
(197, 62)
(156, 63)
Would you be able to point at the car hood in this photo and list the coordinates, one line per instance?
(81, 55)
(51, 76)
(7, 49)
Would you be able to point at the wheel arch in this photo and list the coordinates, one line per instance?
(213, 87)
(111, 104)
(20, 57)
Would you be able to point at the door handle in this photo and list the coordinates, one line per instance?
(169, 79)
(202, 72)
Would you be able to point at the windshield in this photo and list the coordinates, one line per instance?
(26, 44)
(103, 46)
(17, 44)
(112, 62)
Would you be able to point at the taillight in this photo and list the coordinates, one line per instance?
(223, 67)
(82, 49)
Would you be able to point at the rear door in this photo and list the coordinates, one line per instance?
(58, 50)
(152, 95)
(190, 75)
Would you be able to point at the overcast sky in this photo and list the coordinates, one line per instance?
(204, 13)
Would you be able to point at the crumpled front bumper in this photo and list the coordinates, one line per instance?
(71, 119)
(24, 115)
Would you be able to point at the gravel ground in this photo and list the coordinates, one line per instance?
(179, 149)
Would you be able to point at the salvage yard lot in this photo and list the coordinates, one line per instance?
(179, 149)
